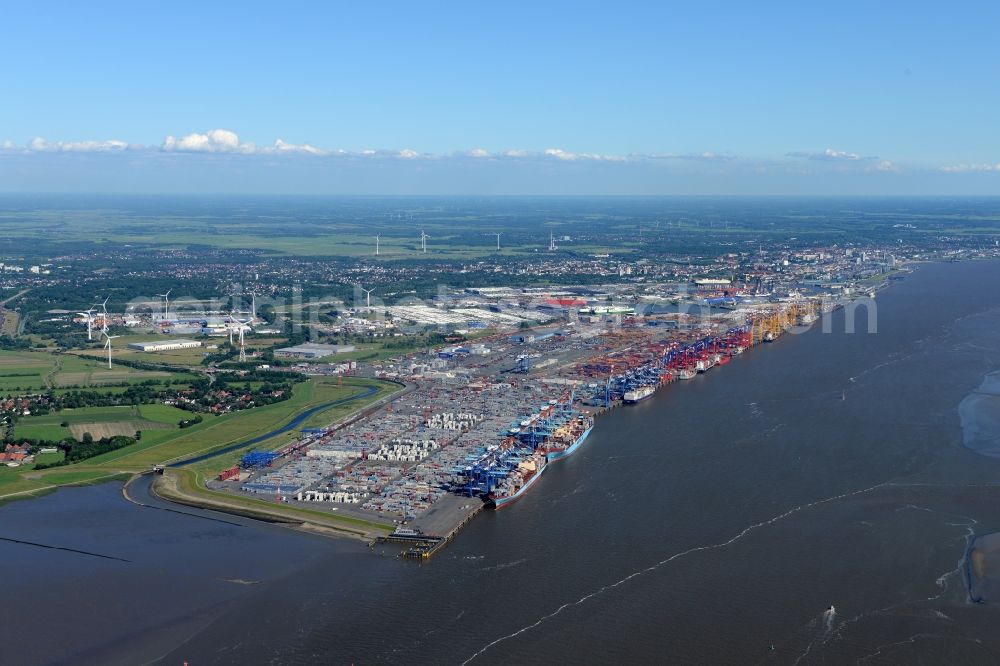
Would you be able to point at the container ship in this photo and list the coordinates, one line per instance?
(568, 438)
(502, 473)
(638, 394)
(517, 482)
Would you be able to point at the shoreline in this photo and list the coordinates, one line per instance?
(168, 488)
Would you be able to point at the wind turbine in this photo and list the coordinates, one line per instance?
(89, 314)
(166, 302)
(104, 316)
(498, 242)
(376, 245)
(423, 241)
(107, 344)
(243, 349)
(368, 295)
(253, 306)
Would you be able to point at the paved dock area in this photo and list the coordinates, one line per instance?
(446, 515)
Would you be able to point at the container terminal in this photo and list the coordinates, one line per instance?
(478, 431)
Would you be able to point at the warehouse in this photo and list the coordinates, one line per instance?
(312, 350)
(163, 345)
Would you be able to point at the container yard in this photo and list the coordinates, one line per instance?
(478, 430)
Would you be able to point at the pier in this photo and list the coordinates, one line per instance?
(436, 527)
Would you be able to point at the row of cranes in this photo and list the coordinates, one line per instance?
(484, 470)
(767, 327)
(673, 360)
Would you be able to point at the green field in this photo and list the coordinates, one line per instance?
(24, 369)
(221, 431)
(39, 370)
(51, 433)
(143, 417)
(174, 357)
(158, 446)
(49, 458)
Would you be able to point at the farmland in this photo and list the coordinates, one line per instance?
(172, 443)
(40, 370)
(100, 422)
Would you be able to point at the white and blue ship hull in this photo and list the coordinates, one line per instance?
(499, 503)
(559, 455)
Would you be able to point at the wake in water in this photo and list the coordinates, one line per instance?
(650, 569)
(821, 624)
(834, 632)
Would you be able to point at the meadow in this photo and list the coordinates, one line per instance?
(39, 370)
(100, 422)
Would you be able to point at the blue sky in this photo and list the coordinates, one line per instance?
(657, 97)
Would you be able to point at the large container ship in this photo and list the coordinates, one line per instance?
(567, 439)
(518, 480)
(638, 394)
(504, 472)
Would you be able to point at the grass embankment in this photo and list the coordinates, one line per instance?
(15, 487)
(215, 432)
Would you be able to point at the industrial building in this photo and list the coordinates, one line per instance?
(163, 345)
(540, 336)
(312, 350)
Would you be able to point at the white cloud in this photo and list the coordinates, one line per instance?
(560, 154)
(848, 160)
(840, 154)
(223, 141)
(227, 141)
(707, 156)
(213, 141)
(40, 145)
(968, 168)
(283, 147)
(828, 155)
(566, 156)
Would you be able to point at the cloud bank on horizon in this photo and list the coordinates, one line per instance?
(167, 166)
(228, 142)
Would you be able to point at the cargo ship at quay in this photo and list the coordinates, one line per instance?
(502, 473)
